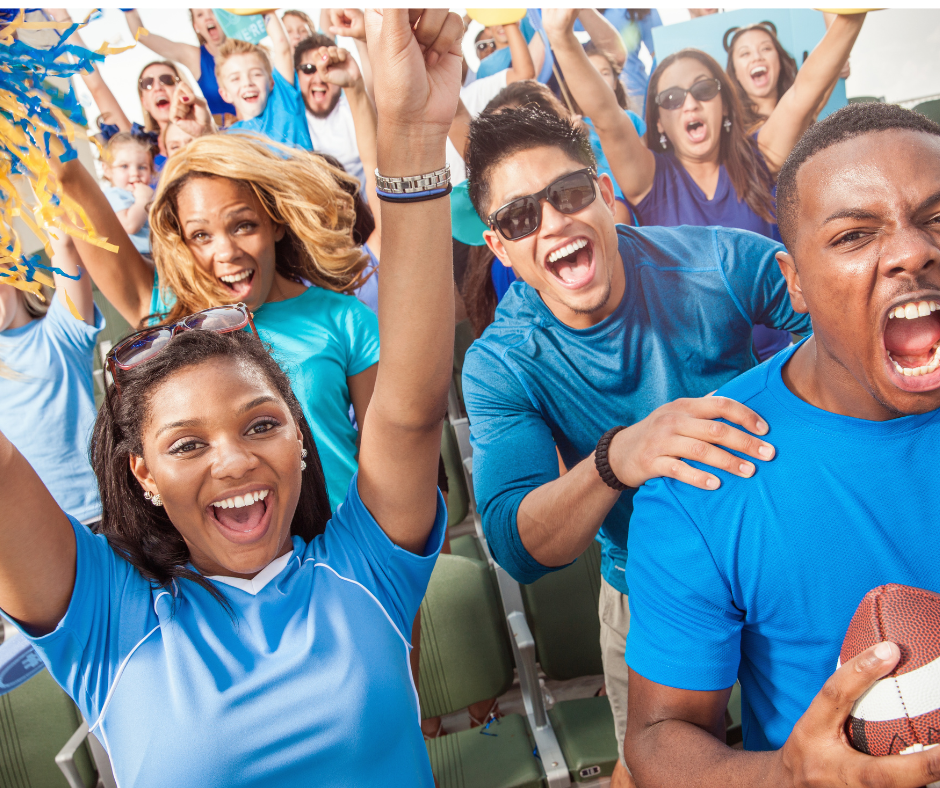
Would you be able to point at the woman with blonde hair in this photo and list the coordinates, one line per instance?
(239, 220)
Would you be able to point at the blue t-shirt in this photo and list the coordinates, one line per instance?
(284, 116)
(209, 85)
(309, 684)
(759, 579)
(682, 329)
(119, 200)
(319, 338)
(49, 403)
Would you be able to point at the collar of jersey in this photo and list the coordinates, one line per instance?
(260, 580)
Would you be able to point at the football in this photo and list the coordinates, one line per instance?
(901, 712)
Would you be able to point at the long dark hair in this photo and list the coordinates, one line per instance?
(478, 291)
(142, 533)
(752, 118)
(738, 152)
(591, 50)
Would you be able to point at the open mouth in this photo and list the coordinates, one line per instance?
(759, 75)
(242, 517)
(696, 130)
(162, 102)
(251, 95)
(239, 283)
(912, 343)
(572, 264)
(213, 30)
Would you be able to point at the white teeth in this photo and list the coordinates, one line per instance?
(574, 246)
(915, 372)
(232, 278)
(914, 309)
(241, 500)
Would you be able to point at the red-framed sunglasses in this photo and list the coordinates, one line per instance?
(143, 345)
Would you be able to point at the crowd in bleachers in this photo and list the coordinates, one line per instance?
(684, 324)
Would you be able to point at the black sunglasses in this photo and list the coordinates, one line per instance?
(143, 345)
(523, 216)
(307, 68)
(147, 83)
(486, 43)
(703, 90)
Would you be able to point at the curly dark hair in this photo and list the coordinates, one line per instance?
(853, 120)
(142, 533)
(785, 79)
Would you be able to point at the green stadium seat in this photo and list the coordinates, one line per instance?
(929, 108)
(458, 501)
(465, 658)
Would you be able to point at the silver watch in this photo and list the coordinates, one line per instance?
(439, 179)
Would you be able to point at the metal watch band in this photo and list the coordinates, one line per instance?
(603, 465)
(439, 179)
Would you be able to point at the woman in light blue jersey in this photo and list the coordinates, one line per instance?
(225, 630)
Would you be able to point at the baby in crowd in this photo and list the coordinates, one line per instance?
(128, 167)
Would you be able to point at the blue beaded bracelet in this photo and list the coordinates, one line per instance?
(431, 194)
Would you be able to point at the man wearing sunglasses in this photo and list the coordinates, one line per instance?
(595, 352)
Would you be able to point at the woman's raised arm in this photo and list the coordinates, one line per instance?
(416, 97)
(799, 106)
(124, 278)
(632, 164)
(187, 54)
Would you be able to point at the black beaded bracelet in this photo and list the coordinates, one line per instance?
(418, 197)
(603, 465)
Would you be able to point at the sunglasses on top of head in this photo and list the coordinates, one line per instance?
(143, 345)
(703, 90)
(523, 216)
(147, 83)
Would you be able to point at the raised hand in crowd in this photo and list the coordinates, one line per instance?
(348, 22)
(191, 112)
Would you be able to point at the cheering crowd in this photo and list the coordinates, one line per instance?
(223, 564)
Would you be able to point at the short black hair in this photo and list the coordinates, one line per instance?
(851, 121)
(495, 136)
(315, 41)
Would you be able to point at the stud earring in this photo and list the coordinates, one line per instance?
(157, 500)
(662, 140)
(147, 495)
(303, 453)
(727, 124)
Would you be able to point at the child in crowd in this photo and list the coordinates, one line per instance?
(266, 99)
(46, 382)
(128, 167)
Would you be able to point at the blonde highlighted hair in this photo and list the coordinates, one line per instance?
(235, 46)
(310, 198)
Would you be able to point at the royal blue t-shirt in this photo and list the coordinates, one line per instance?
(307, 683)
(209, 85)
(682, 329)
(759, 579)
(284, 117)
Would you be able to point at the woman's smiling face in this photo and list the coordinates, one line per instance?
(221, 448)
(756, 63)
(231, 236)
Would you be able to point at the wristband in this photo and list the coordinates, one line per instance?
(603, 465)
(431, 194)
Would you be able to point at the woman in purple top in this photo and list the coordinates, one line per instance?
(698, 164)
(199, 60)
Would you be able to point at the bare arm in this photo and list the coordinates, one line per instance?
(604, 35)
(281, 55)
(65, 258)
(108, 106)
(798, 107)
(654, 447)
(361, 388)
(676, 737)
(460, 129)
(522, 65)
(633, 165)
(125, 278)
(416, 96)
(186, 54)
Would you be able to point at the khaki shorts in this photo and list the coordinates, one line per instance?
(614, 614)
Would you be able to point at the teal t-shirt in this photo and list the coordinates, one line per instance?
(320, 338)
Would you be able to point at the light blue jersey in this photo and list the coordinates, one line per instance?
(121, 200)
(49, 403)
(759, 579)
(284, 117)
(309, 684)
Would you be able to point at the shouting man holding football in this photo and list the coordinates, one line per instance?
(758, 580)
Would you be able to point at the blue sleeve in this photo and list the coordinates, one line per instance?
(118, 199)
(685, 631)
(397, 578)
(65, 329)
(500, 60)
(754, 280)
(108, 615)
(361, 326)
(513, 454)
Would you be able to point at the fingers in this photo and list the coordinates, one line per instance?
(438, 31)
(904, 771)
(674, 468)
(724, 408)
(680, 447)
(721, 434)
(832, 705)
